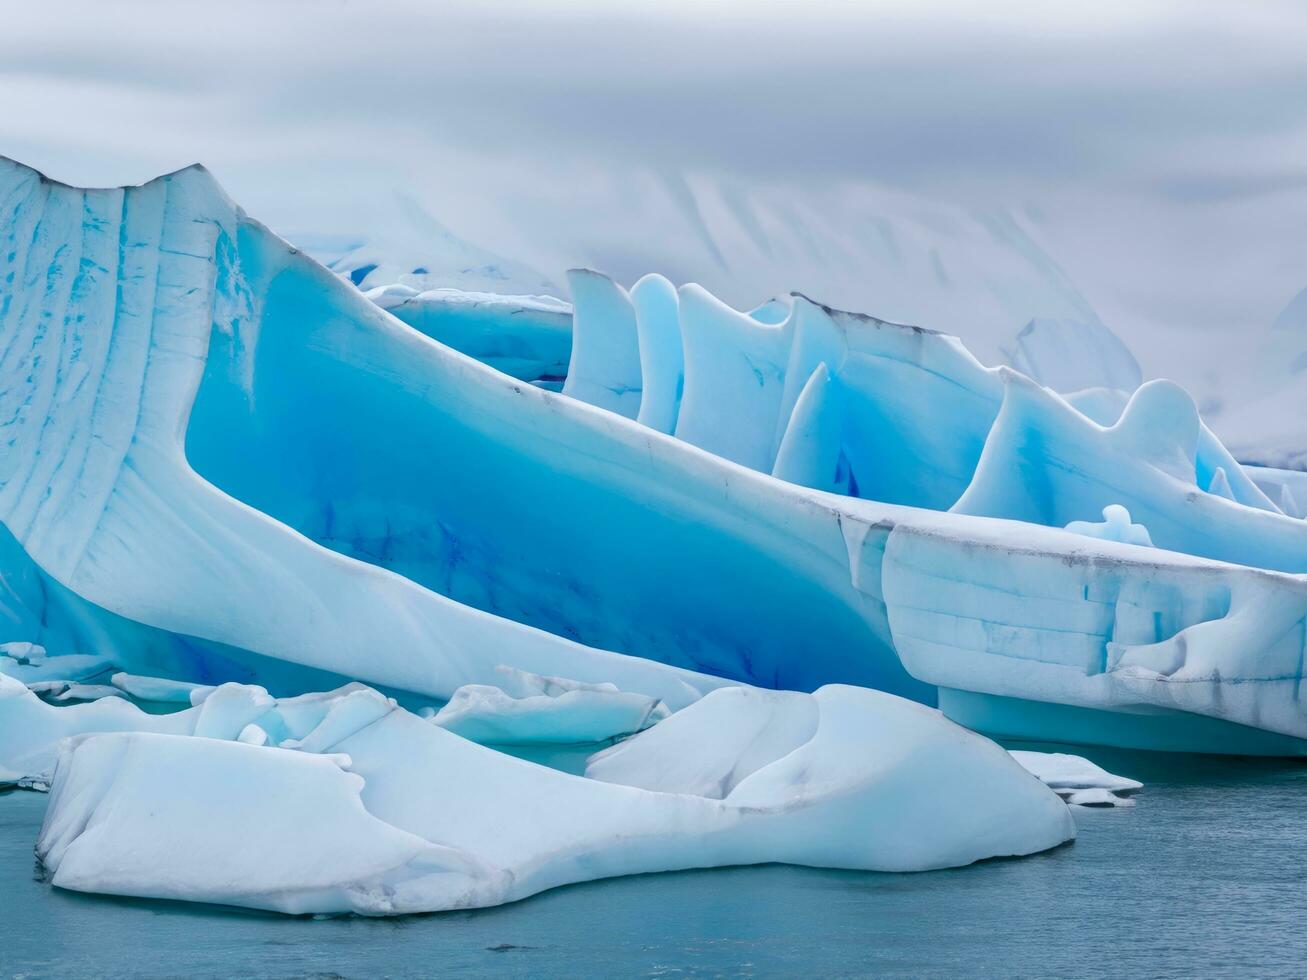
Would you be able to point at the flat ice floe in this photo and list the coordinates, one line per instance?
(1077, 780)
(375, 810)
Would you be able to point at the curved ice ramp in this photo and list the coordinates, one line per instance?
(1118, 644)
(203, 431)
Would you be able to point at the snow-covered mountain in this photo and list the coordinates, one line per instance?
(985, 277)
(1264, 412)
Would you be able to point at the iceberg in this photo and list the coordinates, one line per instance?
(353, 823)
(220, 462)
(31, 730)
(1099, 642)
(281, 830)
(172, 374)
(1288, 488)
(527, 708)
(713, 745)
(853, 405)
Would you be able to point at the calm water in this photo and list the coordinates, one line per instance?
(1206, 876)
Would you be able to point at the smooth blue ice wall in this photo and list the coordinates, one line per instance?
(467, 484)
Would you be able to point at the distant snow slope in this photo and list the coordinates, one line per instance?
(418, 251)
(1264, 418)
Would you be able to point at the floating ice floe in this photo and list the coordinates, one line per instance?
(378, 811)
(1077, 780)
(527, 708)
(226, 462)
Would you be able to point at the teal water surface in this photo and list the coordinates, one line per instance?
(1206, 876)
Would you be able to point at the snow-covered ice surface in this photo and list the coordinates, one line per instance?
(226, 463)
(344, 815)
(527, 337)
(1115, 526)
(1077, 780)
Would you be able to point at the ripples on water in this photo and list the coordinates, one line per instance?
(1206, 876)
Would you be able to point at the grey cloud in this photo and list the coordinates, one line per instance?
(1164, 146)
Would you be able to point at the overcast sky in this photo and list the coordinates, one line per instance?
(1161, 147)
